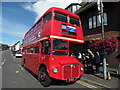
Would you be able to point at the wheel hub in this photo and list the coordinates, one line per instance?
(43, 76)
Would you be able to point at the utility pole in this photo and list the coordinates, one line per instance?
(100, 9)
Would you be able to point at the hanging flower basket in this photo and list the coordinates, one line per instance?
(107, 44)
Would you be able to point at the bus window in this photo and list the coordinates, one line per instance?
(46, 47)
(39, 24)
(74, 21)
(42, 47)
(47, 17)
(60, 17)
(60, 47)
(36, 49)
(31, 50)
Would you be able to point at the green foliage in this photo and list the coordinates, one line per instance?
(5, 47)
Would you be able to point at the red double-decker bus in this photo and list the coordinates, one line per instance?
(47, 47)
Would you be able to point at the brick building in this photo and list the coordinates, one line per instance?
(91, 21)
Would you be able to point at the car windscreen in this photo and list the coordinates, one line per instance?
(18, 52)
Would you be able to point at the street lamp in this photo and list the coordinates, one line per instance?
(100, 9)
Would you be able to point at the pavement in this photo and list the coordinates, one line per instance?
(113, 72)
(98, 79)
(99, 82)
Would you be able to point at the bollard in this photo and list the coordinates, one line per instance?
(109, 77)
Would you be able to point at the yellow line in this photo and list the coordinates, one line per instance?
(20, 66)
(95, 83)
(86, 84)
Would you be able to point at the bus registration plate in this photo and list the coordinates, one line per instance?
(71, 79)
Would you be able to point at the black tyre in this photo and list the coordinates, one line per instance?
(44, 78)
(24, 66)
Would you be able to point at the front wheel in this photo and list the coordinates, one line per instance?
(44, 78)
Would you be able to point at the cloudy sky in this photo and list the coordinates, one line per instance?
(18, 17)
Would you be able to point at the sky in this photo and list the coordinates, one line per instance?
(18, 17)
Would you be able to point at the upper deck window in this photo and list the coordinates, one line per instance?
(39, 24)
(60, 17)
(74, 21)
(47, 17)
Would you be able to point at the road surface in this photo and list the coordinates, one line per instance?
(15, 76)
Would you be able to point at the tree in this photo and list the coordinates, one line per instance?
(5, 47)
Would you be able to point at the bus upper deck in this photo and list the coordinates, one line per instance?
(55, 23)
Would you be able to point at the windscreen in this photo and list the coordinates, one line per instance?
(60, 47)
(60, 17)
(74, 21)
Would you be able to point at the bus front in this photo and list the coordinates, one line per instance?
(66, 32)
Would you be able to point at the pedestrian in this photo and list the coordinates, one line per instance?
(89, 61)
(80, 57)
(97, 61)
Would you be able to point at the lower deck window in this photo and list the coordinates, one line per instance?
(60, 47)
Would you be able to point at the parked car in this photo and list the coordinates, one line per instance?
(17, 54)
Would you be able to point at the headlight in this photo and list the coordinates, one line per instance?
(81, 68)
(55, 70)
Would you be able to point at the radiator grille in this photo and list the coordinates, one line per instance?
(70, 71)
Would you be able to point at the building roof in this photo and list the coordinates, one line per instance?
(16, 43)
(72, 4)
(85, 6)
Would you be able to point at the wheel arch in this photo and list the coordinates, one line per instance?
(43, 65)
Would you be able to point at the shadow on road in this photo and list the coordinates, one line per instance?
(55, 82)
(60, 83)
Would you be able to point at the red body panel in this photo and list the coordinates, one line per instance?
(68, 67)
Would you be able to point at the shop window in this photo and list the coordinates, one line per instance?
(105, 19)
(90, 23)
(94, 21)
(98, 20)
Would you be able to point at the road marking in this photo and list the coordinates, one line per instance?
(3, 61)
(17, 71)
(95, 83)
(86, 84)
(20, 66)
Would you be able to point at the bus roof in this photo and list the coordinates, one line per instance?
(57, 10)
